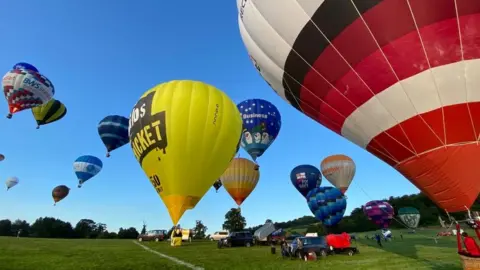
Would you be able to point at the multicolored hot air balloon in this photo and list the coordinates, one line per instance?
(379, 212)
(11, 182)
(305, 178)
(407, 90)
(184, 134)
(410, 216)
(240, 179)
(26, 66)
(113, 131)
(339, 170)
(217, 185)
(328, 204)
(25, 89)
(59, 193)
(86, 167)
(49, 112)
(261, 125)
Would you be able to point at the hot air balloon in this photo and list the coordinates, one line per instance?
(25, 89)
(328, 204)
(2, 157)
(339, 170)
(49, 112)
(86, 167)
(113, 131)
(406, 91)
(11, 182)
(240, 179)
(184, 134)
(305, 178)
(26, 66)
(217, 185)
(379, 212)
(59, 193)
(410, 216)
(261, 125)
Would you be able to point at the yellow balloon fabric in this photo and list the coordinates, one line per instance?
(240, 179)
(184, 134)
(49, 112)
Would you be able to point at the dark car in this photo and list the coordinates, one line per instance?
(237, 239)
(153, 235)
(311, 244)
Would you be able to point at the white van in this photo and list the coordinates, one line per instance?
(219, 235)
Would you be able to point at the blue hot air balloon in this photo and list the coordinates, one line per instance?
(305, 178)
(86, 167)
(261, 125)
(328, 204)
(25, 66)
(113, 131)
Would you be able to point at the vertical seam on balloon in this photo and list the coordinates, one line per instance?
(209, 98)
(393, 71)
(462, 52)
(433, 77)
(339, 92)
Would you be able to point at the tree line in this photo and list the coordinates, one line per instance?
(358, 222)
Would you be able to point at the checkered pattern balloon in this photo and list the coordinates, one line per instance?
(328, 204)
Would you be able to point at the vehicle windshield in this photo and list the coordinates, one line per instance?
(223, 233)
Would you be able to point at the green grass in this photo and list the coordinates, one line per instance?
(414, 252)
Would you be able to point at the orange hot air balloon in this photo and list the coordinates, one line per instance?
(398, 78)
(240, 179)
(339, 170)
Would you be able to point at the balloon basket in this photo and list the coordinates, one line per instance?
(470, 263)
(38, 127)
(9, 116)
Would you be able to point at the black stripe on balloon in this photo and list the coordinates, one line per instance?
(51, 111)
(332, 17)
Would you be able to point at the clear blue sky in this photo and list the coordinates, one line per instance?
(102, 56)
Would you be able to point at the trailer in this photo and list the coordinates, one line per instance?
(340, 243)
(262, 235)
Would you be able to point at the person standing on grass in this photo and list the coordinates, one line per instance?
(379, 240)
(300, 248)
(471, 245)
(401, 236)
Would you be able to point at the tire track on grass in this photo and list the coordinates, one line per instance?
(173, 259)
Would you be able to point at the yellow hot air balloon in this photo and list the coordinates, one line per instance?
(240, 179)
(184, 134)
(339, 170)
(49, 112)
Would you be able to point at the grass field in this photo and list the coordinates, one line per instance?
(414, 252)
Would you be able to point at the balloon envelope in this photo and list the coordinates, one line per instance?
(25, 89)
(59, 193)
(86, 167)
(2, 157)
(328, 204)
(379, 212)
(398, 78)
(49, 112)
(26, 66)
(305, 178)
(113, 131)
(184, 134)
(240, 179)
(11, 182)
(410, 216)
(261, 125)
(339, 170)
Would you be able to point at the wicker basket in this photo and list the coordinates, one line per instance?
(470, 263)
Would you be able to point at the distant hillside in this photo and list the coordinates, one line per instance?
(358, 222)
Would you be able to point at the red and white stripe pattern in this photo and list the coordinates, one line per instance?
(400, 78)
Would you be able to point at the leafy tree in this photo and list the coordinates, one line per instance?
(21, 228)
(234, 221)
(199, 230)
(49, 227)
(86, 228)
(5, 227)
(130, 233)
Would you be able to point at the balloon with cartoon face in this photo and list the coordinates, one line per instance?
(262, 120)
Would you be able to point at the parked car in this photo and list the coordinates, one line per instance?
(237, 239)
(153, 235)
(311, 244)
(219, 235)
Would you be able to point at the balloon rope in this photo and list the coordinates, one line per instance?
(400, 222)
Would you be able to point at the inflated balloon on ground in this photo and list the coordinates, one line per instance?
(379, 212)
(410, 216)
(184, 134)
(328, 204)
(398, 78)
